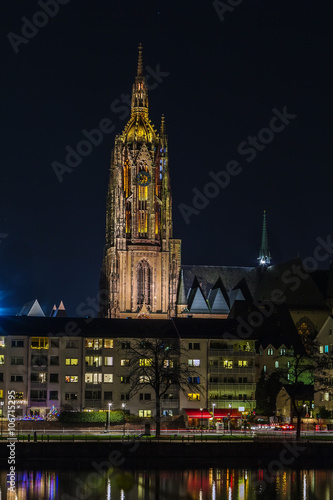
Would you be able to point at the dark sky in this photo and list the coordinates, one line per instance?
(224, 78)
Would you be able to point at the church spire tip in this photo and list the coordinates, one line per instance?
(264, 253)
(140, 63)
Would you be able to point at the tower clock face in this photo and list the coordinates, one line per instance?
(143, 178)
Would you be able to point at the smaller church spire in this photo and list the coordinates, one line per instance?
(181, 299)
(264, 253)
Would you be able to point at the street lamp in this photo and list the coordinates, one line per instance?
(110, 405)
(229, 423)
(123, 407)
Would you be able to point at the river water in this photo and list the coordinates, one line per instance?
(187, 484)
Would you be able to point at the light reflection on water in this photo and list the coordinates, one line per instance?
(189, 484)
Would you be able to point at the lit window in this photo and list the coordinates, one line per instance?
(194, 380)
(145, 362)
(2, 359)
(93, 378)
(1, 394)
(194, 362)
(242, 362)
(108, 343)
(2, 342)
(193, 397)
(125, 380)
(326, 349)
(93, 360)
(321, 349)
(94, 344)
(265, 368)
(71, 378)
(72, 361)
(143, 379)
(124, 362)
(145, 413)
(19, 396)
(270, 352)
(282, 352)
(108, 378)
(227, 364)
(108, 361)
(168, 363)
(39, 343)
(276, 364)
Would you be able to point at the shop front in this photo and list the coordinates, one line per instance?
(197, 417)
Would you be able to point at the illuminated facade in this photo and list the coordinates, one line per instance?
(141, 262)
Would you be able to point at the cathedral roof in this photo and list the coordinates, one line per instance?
(209, 275)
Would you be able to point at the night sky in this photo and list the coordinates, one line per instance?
(219, 76)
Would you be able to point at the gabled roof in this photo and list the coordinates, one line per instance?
(31, 309)
(196, 299)
(218, 298)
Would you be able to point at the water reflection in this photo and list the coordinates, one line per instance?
(191, 484)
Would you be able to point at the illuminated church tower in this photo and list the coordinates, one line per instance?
(141, 263)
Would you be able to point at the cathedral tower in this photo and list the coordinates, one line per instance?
(141, 263)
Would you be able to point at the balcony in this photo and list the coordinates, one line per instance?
(239, 370)
(230, 352)
(169, 403)
(249, 404)
(232, 387)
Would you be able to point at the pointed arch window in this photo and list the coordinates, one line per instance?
(127, 178)
(143, 280)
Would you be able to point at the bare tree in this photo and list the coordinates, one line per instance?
(160, 364)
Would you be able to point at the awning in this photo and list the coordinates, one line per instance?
(198, 414)
(227, 413)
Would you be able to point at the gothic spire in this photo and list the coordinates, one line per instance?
(140, 90)
(264, 253)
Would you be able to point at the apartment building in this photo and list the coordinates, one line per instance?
(84, 364)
